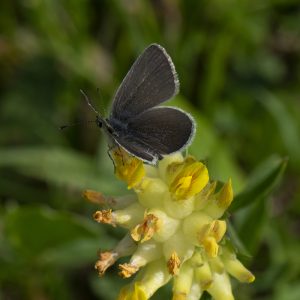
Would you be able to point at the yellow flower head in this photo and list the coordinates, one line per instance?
(174, 229)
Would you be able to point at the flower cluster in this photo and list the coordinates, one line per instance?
(175, 229)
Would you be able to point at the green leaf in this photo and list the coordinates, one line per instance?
(287, 125)
(287, 291)
(60, 167)
(261, 183)
(83, 252)
(235, 241)
(107, 287)
(33, 231)
(251, 230)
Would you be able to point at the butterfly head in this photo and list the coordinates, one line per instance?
(99, 121)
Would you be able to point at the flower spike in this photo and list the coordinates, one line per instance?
(174, 230)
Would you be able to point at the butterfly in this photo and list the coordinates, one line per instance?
(136, 123)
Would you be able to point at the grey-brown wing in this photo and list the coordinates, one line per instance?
(156, 132)
(138, 148)
(151, 80)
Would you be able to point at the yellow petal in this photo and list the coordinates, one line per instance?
(133, 293)
(145, 253)
(196, 227)
(195, 291)
(202, 271)
(202, 199)
(127, 167)
(183, 282)
(218, 229)
(167, 163)
(191, 178)
(234, 267)
(211, 246)
(220, 288)
(238, 270)
(154, 276)
(218, 204)
(225, 196)
(216, 264)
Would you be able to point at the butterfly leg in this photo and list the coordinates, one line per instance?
(109, 154)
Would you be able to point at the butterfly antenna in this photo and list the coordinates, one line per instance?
(74, 124)
(89, 102)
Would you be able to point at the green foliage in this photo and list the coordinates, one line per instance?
(40, 234)
(58, 167)
(238, 64)
(261, 183)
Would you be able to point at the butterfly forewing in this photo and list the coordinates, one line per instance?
(151, 80)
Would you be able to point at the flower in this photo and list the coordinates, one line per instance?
(128, 167)
(175, 230)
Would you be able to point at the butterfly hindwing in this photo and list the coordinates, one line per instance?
(156, 132)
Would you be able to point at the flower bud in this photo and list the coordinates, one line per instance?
(196, 226)
(183, 282)
(202, 271)
(151, 192)
(129, 216)
(106, 259)
(221, 287)
(195, 291)
(154, 276)
(145, 253)
(168, 226)
(178, 209)
(164, 164)
(178, 243)
(221, 201)
(235, 268)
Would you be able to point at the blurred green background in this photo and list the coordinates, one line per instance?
(239, 66)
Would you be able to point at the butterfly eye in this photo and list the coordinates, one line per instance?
(110, 130)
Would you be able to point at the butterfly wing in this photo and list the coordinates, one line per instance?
(151, 80)
(156, 132)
